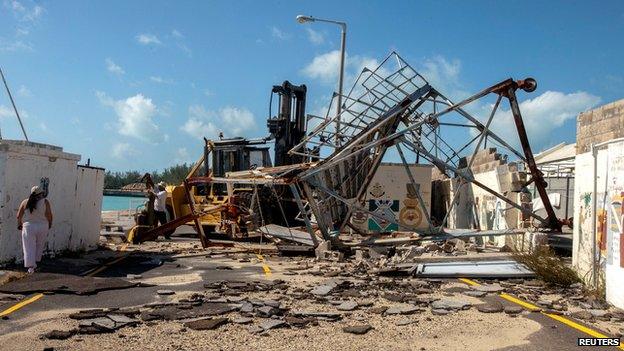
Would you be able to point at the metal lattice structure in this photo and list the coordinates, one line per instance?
(393, 108)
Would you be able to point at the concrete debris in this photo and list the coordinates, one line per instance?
(59, 334)
(272, 324)
(206, 324)
(187, 311)
(347, 306)
(358, 329)
(267, 311)
(493, 288)
(450, 304)
(165, 292)
(331, 316)
(513, 309)
(405, 321)
(454, 245)
(491, 307)
(65, 284)
(402, 309)
(474, 293)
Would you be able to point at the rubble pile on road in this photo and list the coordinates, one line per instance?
(327, 292)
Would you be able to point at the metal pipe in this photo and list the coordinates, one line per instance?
(13, 103)
(343, 38)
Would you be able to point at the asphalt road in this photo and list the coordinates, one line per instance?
(195, 270)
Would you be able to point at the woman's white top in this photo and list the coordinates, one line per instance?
(37, 215)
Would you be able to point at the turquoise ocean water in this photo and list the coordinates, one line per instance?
(119, 203)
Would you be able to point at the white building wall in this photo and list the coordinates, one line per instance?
(88, 208)
(22, 165)
(609, 219)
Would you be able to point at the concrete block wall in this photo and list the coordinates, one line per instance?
(75, 194)
(600, 124)
(476, 207)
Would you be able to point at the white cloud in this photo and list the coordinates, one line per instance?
(325, 67)
(161, 80)
(148, 39)
(208, 92)
(6, 112)
(123, 150)
(542, 115)
(185, 49)
(177, 34)
(114, 68)
(279, 34)
(233, 121)
(316, 38)
(23, 91)
(24, 13)
(43, 126)
(135, 117)
(182, 156)
(443, 75)
(13, 46)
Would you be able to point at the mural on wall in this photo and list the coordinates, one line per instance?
(384, 211)
(411, 213)
(615, 227)
(584, 218)
(394, 201)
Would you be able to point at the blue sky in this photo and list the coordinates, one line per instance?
(134, 85)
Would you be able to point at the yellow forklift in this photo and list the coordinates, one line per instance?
(230, 209)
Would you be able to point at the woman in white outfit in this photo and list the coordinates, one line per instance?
(34, 219)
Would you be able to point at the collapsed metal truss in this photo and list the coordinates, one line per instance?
(393, 108)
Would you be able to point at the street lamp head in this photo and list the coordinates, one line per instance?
(303, 19)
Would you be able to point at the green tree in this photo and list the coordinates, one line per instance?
(173, 175)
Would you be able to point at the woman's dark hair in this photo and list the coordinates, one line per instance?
(31, 204)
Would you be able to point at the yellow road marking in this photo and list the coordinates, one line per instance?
(556, 317)
(36, 297)
(517, 301)
(468, 281)
(20, 304)
(265, 267)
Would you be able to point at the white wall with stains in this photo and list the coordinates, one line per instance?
(75, 194)
(609, 229)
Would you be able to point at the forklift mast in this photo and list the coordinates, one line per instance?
(288, 128)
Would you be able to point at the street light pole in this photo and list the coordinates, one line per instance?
(343, 38)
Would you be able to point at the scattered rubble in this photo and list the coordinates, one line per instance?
(358, 329)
